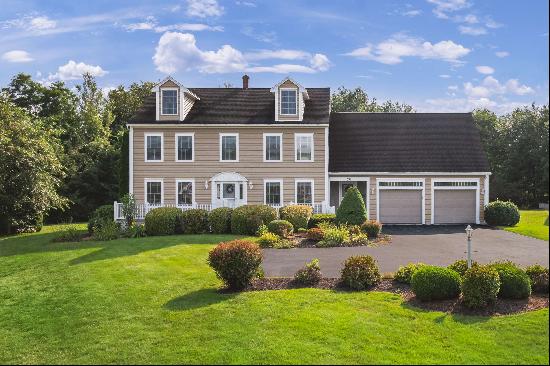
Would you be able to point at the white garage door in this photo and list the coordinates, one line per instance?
(400, 206)
(455, 206)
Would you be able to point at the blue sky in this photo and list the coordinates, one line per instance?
(438, 55)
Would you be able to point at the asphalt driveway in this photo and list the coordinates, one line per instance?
(437, 245)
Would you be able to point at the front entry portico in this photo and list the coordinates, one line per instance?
(229, 189)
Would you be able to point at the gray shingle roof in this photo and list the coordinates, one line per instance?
(239, 106)
(405, 142)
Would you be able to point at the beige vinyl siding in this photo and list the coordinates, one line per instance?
(250, 164)
(427, 192)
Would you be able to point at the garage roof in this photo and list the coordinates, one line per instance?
(405, 142)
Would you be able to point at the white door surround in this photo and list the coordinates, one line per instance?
(229, 189)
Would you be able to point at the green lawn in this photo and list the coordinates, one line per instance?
(154, 300)
(533, 223)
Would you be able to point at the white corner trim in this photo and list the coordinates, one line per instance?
(131, 161)
(304, 180)
(183, 134)
(153, 180)
(476, 188)
(422, 188)
(237, 143)
(265, 135)
(157, 105)
(327, 181)
(145, 135)
(296, 137)
(193, 189)
(486, 190)
(274, 180)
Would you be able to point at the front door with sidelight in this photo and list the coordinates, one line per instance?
(229, 190)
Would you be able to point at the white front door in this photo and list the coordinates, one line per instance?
(229, 194)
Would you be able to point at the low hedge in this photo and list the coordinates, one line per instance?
(360, 272)
(435, 283)
(195, 221)
(539, 278)
(514, 282)
(164, 221)
(461, 266)
(404, 273)
(316, 219)
(236, 262)
(282, 228)
(297, 215)
(480, 286)
(100, 216)
(245, 220)
(220, 220)
(501, 213)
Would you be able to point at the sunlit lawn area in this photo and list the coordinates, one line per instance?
(154, 300)
(533, 223)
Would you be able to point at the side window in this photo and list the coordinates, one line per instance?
(273, 143)
(304, 192)
(185, 147)
(229, 147)
(185, 192)
(304, 146)
(153, 147)
(169, 101)
(153, 192)
(273, 193)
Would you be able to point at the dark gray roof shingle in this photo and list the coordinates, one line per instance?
(239, 106)
(405, 142)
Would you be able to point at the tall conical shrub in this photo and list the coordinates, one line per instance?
(352, 209)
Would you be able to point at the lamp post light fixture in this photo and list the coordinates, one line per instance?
(469, 232)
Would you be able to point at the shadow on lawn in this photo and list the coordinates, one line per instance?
(198, 299)
(445, 313)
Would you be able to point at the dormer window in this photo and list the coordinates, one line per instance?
(289, 102)
(169, 101)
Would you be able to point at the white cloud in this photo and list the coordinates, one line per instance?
(411, 13)
(392, 50)
(502, 54)
(40, 23)
(29, 23)
(472, 31)
(73, 70)
(491, 86)
(444, 7)
(178, 51)
(267, 37)
(490, 23)
(151, 23)
(444, 76)
(17, 56)
(246, 3)
(485, 69)
(452, 87)
(203, 8)
(467, 105)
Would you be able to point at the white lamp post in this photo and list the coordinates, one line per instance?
(469, 232)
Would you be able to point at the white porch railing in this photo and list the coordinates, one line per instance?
(143, 208)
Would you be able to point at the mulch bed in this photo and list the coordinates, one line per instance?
(455, 306)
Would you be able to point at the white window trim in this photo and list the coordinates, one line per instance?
(280, 135)
(422, 188)
(188, 180)
(281, 102)
(161, 146)
(153, 180)
(220, 143)
(280, 181)
(177, 101)
(476, 188)
(296, 137)
(183, 134)
(304, 180)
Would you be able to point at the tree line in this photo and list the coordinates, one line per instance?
(64, 151)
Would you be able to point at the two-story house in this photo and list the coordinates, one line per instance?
(214, 147)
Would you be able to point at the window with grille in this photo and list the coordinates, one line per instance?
(229, 148)
(304, 147)
(400, 184)
(169, 102)
(455, 184)
(273, 193)
(273, 148)
(185, 193)
(154, 193)
(288, 102)
(304, 193)
(185, 148)
(154, 148)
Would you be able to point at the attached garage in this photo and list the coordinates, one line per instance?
(455, 201)
(400, 201)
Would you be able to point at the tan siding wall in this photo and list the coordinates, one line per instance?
(428, 193)
(250, 163)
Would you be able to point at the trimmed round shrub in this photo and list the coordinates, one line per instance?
(372, 228)
(297, 215)
(195, 221)
(236, 262)
(268, 240)
(282, 228)
(514, 282)
(245, 220)
(310, 274)
(352, 209)
(360, 272)
(480, 286)
(220, 220)
(404, 273)
(100, 216)
(501, 213)
(315, 234)
(316, 219)
(435, 283)
(164, 221)
(538, 275)
(461, 266)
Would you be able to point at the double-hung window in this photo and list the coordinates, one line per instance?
(185, 150)
(273, 147)
(304, 192)
(289, 102)
(153, 192)
(229, 147)
(169, 101)
(273, 192)
(303, 143)
(153, 147)
(184, 191)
